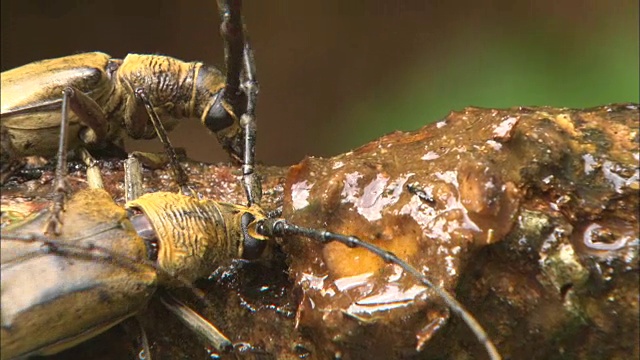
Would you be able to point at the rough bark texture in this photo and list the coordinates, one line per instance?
(528, 215)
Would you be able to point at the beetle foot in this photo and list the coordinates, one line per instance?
(54, 224)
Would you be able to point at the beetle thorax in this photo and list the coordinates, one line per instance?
(168, 82)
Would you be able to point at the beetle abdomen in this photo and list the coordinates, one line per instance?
(39, 85)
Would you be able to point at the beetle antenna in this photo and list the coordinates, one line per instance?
(250, 181)
(282, 228)
(233, 35)
(241, 77)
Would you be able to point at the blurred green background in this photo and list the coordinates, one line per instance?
(336, 74)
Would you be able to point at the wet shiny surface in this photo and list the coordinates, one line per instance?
(449, 198)
(528, 215)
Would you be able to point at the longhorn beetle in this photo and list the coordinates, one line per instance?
(265, 227)
(244, 227)
(101, 93)
(179, 238)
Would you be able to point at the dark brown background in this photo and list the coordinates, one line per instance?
(335, 74)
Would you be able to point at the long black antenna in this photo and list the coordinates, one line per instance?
(282, 228)
(241, 77)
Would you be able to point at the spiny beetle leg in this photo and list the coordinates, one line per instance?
(60, 185)
(241, 85)
(178, 171)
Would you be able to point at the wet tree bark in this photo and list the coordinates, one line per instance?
(528, 215)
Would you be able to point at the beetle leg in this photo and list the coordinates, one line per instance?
(132, 179)
(146, 350)
(178, 171)
(197, 323)
(154, 161)
(90, 114)
(60, 186)
(240, 66)
(94, 177)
